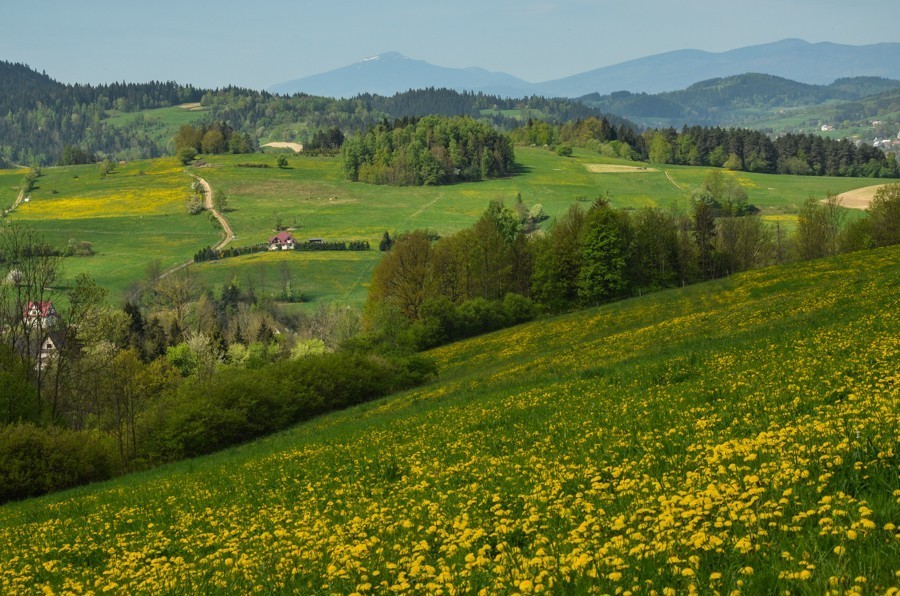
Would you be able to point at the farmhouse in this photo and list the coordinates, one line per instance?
(42, 349)
(281, 241)
(40, 314)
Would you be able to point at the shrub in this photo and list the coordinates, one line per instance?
(35, 460)
(237, 405)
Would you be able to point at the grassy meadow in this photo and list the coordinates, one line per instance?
(134, 215)
(734, 435)
(164, 121)
(313, 198)
(138, 213)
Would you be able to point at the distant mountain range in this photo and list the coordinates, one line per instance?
(736, 99)
(795, 59)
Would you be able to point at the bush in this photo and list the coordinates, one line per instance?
(35, 460)
(238, 405)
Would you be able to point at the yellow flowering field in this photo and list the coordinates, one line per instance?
(150, 187)
(733, 437)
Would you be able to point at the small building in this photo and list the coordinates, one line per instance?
(281, 241)
(40, 314)
(50, 346)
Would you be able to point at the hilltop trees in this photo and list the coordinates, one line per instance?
(215, 138)
(884, 214)
(427, 151)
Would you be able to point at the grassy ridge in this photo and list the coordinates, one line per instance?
(740, 434)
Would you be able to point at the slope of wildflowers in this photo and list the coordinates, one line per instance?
(740, 435)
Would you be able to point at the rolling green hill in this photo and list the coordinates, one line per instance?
(734, 435)
(138, 213)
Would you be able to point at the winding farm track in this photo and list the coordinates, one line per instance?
(18, 200)
(227, 232)
(672, 180)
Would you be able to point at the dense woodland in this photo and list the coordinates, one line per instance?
(428, 151)
(39, 116)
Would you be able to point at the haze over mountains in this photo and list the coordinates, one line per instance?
(795, 59)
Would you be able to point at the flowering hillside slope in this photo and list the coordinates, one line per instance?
(736, 435)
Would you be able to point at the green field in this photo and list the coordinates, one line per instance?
(163, 122)
(10, 184)
(133, 216)
(138, 213)
(313, 197)
(733, 435)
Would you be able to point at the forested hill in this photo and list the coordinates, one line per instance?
(39, 117)
(716, 101)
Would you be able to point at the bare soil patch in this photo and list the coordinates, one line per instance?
(608, 168)
(297, 147)
(191, 106)
(859, 198)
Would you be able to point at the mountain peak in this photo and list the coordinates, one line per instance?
(386, 56)
(794, 59)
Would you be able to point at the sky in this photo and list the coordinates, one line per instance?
(256, 44)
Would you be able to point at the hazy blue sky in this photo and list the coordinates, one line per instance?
(259, 43)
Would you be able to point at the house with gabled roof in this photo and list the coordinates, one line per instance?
(281, 241)
(40, 314)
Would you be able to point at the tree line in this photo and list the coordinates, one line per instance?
(427, 151)
(754, 151)
(500, 272)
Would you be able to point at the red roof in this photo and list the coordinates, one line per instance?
(44, 306)
(281, 238)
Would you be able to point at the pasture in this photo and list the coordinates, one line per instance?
(138, 213)
(314, 200)
(733, 435)
(134, 215)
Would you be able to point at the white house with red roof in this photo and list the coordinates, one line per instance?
(281, 241)
(40, 313)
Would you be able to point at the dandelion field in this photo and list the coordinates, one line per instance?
(739, 435)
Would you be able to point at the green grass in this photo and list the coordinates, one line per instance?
(133, 218)
(313, 197)
(319, 277)
(10, 185)
(740, 434)
(163, 123)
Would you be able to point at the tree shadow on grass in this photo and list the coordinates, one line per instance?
(519, 169)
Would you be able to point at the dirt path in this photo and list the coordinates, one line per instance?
(227, 232)
(672, 180)
(18, 200)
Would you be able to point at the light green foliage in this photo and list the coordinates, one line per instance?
(885, 215)
(308, 347)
